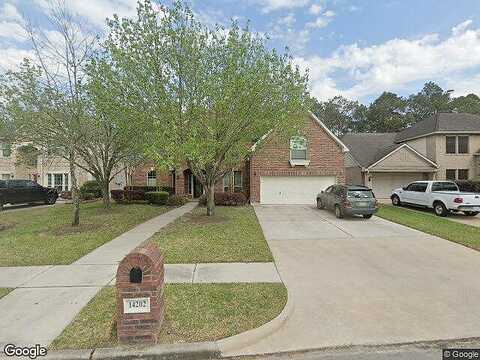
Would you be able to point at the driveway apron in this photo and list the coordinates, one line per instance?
(357, 282)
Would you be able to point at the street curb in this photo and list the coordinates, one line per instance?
(229, 345)
(187, 351)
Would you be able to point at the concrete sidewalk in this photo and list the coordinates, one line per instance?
(39, 313)
(52, 276)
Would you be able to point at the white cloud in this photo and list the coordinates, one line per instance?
(12, 31)
(272, 5)
(329, 13)
(319, 23)
(96, 11)
(9, 12)
(393, 64)
(315, 9)
(11, 23)
(462, 27)
(11, 57)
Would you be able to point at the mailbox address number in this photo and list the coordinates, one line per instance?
(136, 306)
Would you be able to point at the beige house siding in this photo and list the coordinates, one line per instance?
(419, 145)
(403, 160)
(456, 161)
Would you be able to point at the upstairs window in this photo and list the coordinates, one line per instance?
(298, 148)
(457, 144)
(463, 145)
(451, 144)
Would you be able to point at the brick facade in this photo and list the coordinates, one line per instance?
(324, 152)
(139, 175)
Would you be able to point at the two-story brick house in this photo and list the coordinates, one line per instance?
(291, 171)
(445, 146)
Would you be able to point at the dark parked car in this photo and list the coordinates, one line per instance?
(348, 200)
(25, 192)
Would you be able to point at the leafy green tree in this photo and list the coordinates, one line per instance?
(340, 114)
(44, 101)
(430, 100)
(387, 114)
(202, 96)
(466, 104)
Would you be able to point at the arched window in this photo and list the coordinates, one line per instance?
(152, 178)
(298, 148)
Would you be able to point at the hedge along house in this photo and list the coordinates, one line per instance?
(281, 172)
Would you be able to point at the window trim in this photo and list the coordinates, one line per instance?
(50, 177)
(151, 177)
(299, 162)
(456, 144)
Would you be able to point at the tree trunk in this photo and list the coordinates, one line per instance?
(210, 190)
(75, 192)
(106, 194)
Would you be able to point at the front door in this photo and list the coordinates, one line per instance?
(197, 188)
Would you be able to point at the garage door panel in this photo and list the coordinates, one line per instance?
(383, 184)
(296, 190)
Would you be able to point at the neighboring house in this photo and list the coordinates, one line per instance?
(47, 171)
(280, 172)
(445, 146)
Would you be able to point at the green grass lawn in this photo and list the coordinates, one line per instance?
(232, 235)
(431, 224)
(194, 312)
(4, 291)
(44, 236)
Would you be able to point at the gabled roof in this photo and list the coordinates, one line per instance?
(398, 147)
(441, 123)
(367, 148)
(319, 122)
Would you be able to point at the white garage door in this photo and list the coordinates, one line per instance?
(384, 183)
(295, 190)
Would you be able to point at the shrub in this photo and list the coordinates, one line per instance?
(157, 197)
(142, 188)
(176, 200)
(67, 195)
(88, 196)
(170, 190)
(226, 199)
(134, 195)
(92, 188)
(118, 195)
(468, 185)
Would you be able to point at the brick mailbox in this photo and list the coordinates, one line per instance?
(140, 298)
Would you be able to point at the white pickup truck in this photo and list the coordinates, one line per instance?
(441, 196)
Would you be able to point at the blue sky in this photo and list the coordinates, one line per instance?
(352, 48)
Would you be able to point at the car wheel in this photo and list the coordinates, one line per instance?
(51, 199)
(440, 209)
(396, 200)
(320, 204)
(471, 213)
(338, 212)
(368, 216)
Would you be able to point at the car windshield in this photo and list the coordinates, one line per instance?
(360, 194)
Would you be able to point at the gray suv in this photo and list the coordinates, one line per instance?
(348, 200)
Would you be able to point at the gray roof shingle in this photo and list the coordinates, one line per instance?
(368, 148)
(441, 122)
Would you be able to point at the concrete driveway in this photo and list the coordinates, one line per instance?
(356, 281)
